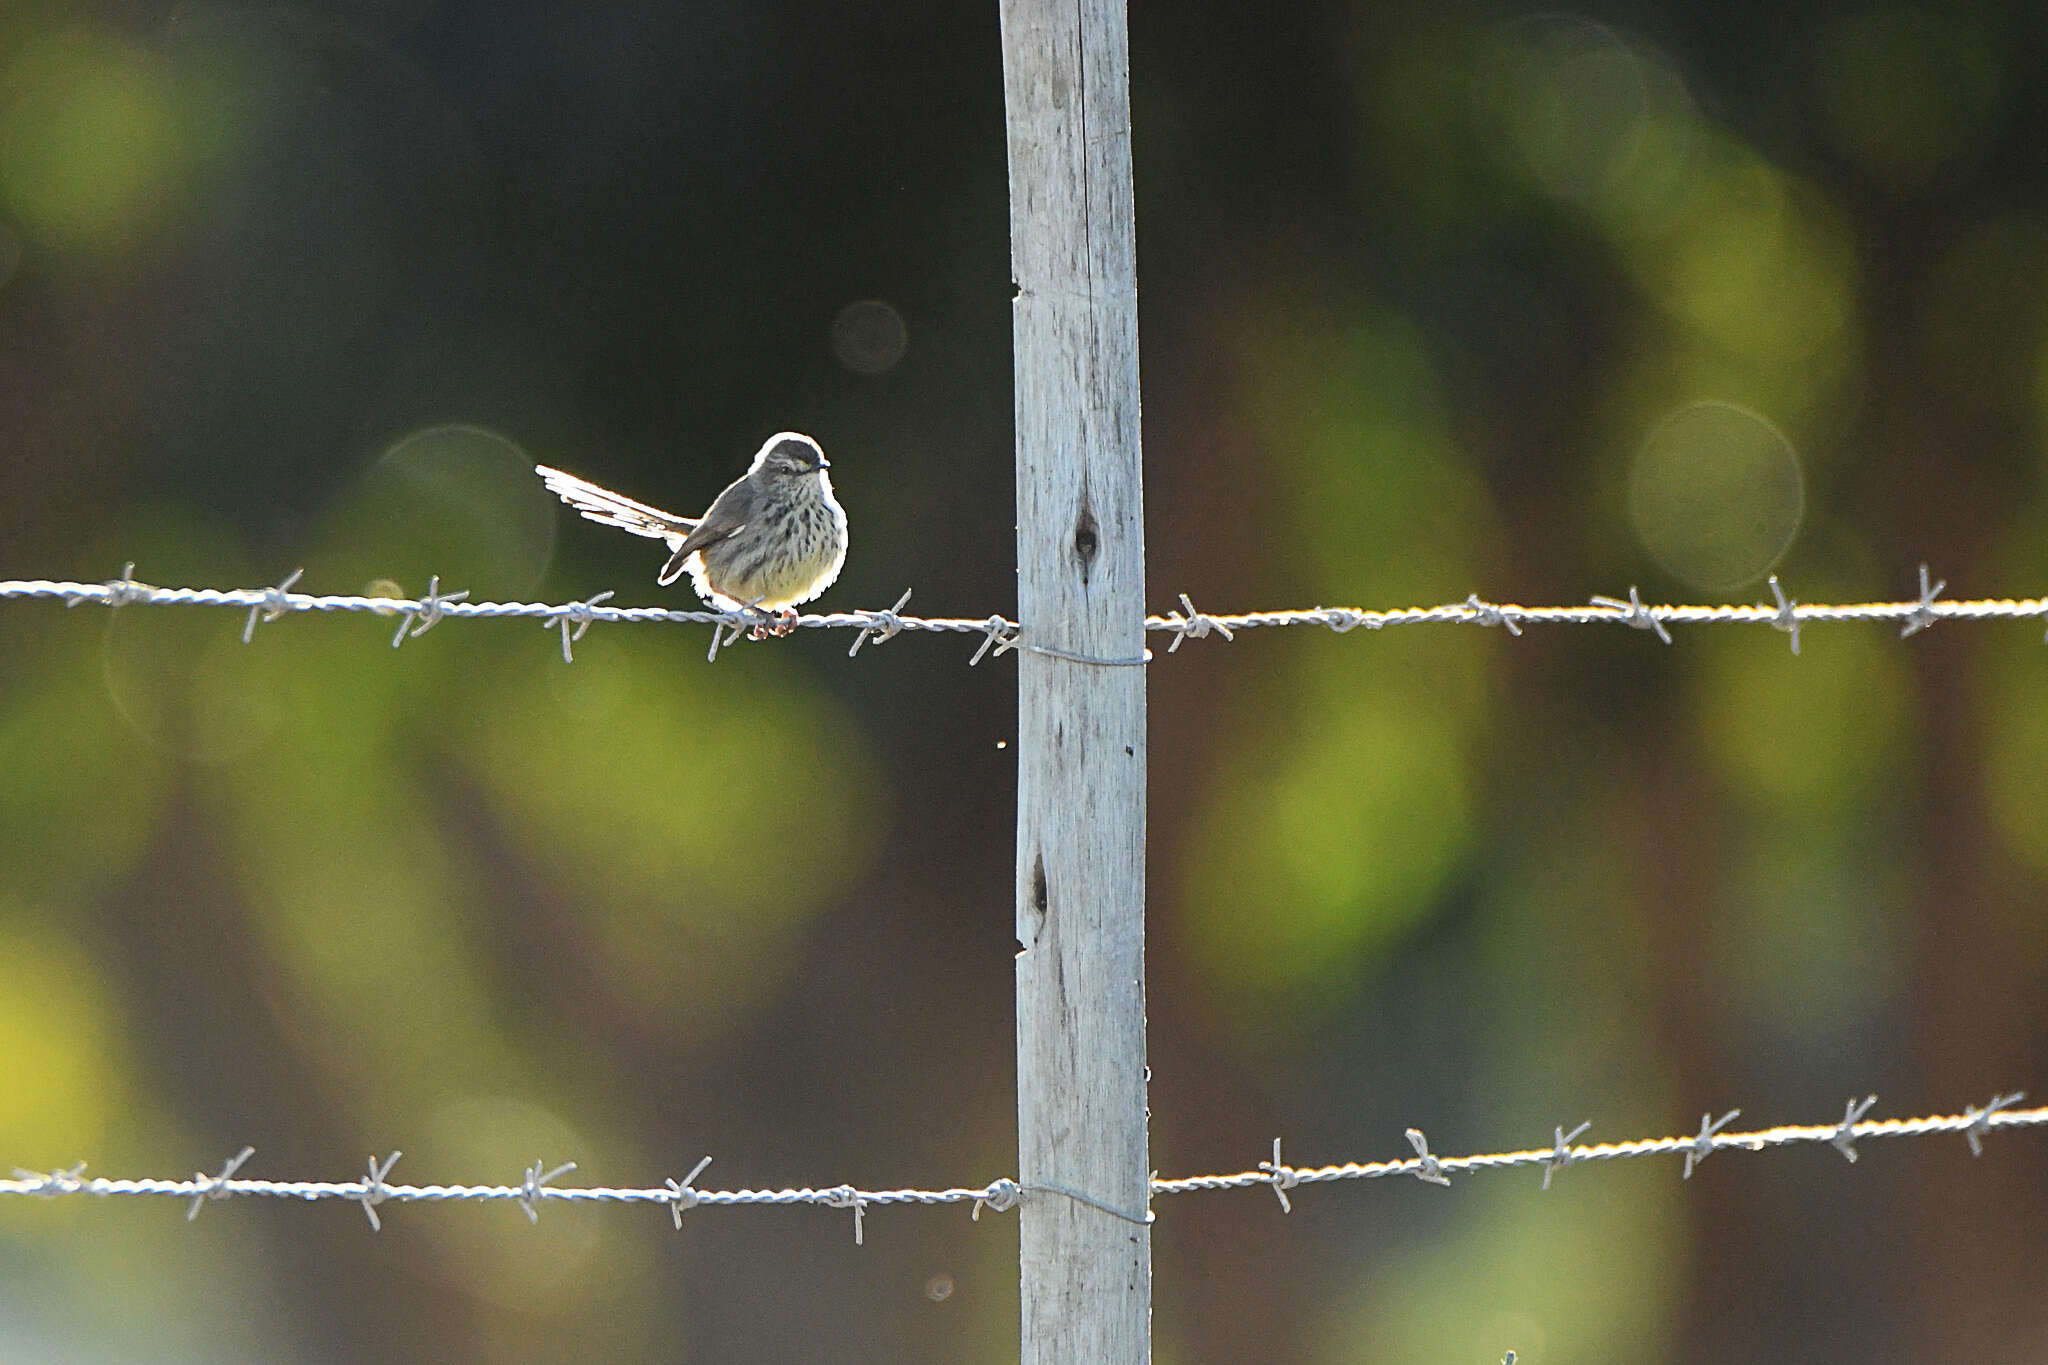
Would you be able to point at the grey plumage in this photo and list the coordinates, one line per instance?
(774, 537)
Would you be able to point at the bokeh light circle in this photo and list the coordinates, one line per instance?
(1716, 495)
(869, 337)
(455, 500)
(1582, 112)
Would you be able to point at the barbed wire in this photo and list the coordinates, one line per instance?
(1001, 635)
(537, 1187)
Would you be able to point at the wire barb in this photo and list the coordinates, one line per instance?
(847, 1197)
(1284, 1176)
(1787, 618)
(579, 615)
(123, 590)
(48, 1184)
(215, 1186)
(1980, 1119)
(1488, 614)
(1561, 1155)
(1923, 612)
(1189, 624)
(882, 625)
(1702, 1146)
(998, 633)
(276, 602)
(375, 1191)
(1844, 1140)
(1429, 1168)
(532, 1189)
(423, 615)
(1636, 614)
(728, 625)
(115, 592)
(683, 1194)
(1000, 1197)
(1343, 620)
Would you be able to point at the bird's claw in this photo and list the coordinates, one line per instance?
(778, 624)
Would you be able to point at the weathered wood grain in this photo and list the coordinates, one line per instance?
(1081, 727)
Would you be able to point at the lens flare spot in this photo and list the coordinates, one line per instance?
(1716, 495)
(869, 337)
(456, 501)
(1583, 113)
(384, 587)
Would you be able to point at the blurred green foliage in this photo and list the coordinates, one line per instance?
(1591, 1280)
(1348, 800)
(92, 151)
(64, 1034)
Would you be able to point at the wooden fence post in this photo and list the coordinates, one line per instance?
(1086, 1251)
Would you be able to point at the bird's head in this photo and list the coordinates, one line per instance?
(790, 455)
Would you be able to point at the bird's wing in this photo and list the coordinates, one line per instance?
(722, 520)
(615, 509)
(725, 518)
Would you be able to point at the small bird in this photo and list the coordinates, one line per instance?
(775, 537)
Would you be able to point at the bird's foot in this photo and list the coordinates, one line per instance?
(780, 623)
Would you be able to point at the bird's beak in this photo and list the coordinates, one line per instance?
(824, 463)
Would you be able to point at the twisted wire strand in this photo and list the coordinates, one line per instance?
(1004, 1194)
(76, 1182)
(878, 626)
(1840, 1135)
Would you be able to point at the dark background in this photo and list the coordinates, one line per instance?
(1431, 296)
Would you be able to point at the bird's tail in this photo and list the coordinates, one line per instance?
(615, 509)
